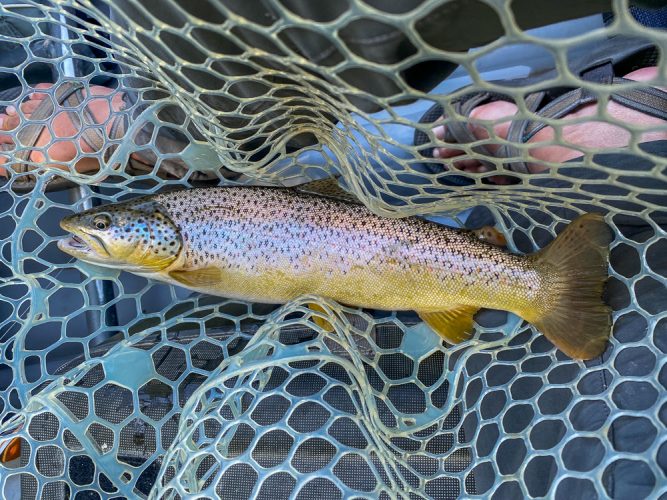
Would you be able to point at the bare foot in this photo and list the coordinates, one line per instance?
(62, 147)
(593, 134)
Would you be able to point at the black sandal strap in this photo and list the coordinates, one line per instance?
(459, 131)
(597, 67)
(120, 124)
(515, 134)
(647, 100)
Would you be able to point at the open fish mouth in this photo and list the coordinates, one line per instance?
(79, 247)
(76, 242)
(73, 242)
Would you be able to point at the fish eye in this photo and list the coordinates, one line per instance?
(102, 222)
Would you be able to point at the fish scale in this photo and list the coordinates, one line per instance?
(273, 245)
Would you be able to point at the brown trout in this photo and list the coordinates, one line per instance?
(272, 245)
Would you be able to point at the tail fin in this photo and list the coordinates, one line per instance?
(576, 263)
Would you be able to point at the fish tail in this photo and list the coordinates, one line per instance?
(578, 321)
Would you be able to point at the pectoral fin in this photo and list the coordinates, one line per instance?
(454, 324)
(318, 320)
(197, 278)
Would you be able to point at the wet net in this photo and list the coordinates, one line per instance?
(120, 387)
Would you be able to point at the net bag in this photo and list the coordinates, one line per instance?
(115, 386)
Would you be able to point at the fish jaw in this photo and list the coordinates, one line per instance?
(83, 245)
(82, 249)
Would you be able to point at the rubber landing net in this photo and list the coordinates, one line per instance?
(120, 387)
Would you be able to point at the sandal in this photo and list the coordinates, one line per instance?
(70, 95)
(620, 55)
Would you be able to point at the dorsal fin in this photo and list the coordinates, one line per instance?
(329, 188)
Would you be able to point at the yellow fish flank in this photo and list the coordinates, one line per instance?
(273, 245)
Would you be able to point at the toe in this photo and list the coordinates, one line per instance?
(38, 96)
(10, 122)
(40, 86)
(501, 180)
(439, 132)
(4, 138)
(447, 152)
(470, 165)
(498, 112)
(29, 107)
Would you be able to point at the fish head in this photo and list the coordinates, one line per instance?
(137, 236)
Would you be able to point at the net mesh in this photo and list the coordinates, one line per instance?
(118, 386)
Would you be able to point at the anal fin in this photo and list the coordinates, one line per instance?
(10, 450)
(197, 278)
(453, 324)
